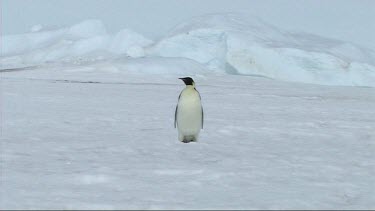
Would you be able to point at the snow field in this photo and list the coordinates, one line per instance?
(94, 140)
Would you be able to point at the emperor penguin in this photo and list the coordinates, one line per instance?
(189, 113)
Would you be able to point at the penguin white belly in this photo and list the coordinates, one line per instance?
(189, 116)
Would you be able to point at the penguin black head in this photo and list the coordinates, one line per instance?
(188, 81)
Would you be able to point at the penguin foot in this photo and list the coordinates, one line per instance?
(188, 139)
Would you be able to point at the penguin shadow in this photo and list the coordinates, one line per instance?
(187, 141)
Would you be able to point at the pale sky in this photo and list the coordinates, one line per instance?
(349, 20)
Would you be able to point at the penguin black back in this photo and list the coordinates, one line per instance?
(187, 81)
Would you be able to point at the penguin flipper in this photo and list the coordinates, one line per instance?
(175, 113)
(175, 117)
(202, 117)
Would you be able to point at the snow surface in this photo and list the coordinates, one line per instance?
(222, 43)
(87, 119)
(90, 136)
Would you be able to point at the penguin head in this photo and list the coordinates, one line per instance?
(188, 81)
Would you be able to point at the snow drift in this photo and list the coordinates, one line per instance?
(220, 43)
(232, 44)
(87, 40)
